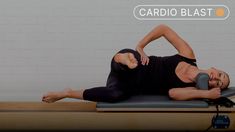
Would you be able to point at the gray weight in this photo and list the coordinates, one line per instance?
(202, 81)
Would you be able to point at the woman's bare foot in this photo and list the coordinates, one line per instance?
(51, 97)
(126, 59)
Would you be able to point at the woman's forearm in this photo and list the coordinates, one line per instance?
(188, 93)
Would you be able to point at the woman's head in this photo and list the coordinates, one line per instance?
(218, 78)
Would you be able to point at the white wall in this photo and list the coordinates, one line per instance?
(49, 45)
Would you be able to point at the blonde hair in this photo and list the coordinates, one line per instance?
(226, 86)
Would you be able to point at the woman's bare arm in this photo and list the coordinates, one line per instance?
(162, 30)
(193, 93)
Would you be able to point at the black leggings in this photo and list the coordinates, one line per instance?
(122, 82)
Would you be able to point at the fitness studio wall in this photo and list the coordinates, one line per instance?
(49, 45)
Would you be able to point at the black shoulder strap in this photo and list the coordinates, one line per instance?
(188, 60)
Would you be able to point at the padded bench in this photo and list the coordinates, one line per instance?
(151, 102)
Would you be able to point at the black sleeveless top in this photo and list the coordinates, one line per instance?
(160, 73)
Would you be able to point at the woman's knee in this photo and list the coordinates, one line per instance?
(115, 96)
(126, 50)
(134, 52)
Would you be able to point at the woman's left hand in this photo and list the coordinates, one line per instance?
(144, 59)
(143, 56)
(214, 93)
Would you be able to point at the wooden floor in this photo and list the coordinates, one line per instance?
(83, 116)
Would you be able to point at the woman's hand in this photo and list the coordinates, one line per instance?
(144, 57)
(214, 93)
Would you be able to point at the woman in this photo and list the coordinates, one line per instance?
(133, 72)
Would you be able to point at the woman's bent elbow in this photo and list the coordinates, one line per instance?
(174, 95)
(163, 26)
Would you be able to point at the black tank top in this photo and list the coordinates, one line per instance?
(160, 72)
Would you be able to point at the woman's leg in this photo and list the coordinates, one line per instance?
(124, 60)
(119, 80)
(113, 92)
